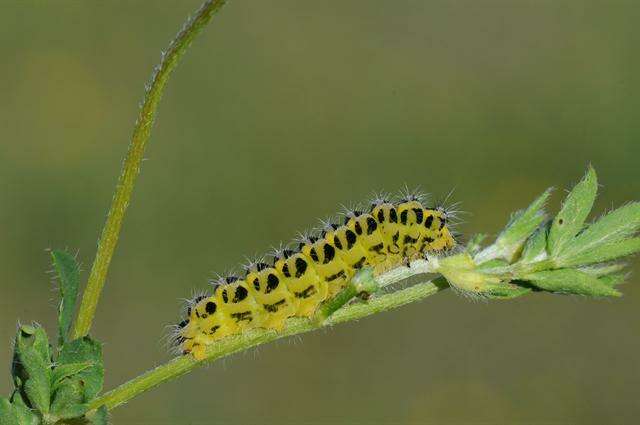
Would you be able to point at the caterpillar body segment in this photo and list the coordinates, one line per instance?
(237, 308)
(302, 280)
(369, 239)
(386, 215)
(411, 217)
(268, 287)
(327, 264)
(298, 281)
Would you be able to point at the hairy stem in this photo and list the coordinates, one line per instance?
(131, 166)
(183, 364)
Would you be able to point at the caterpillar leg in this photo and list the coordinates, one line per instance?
(362, 285)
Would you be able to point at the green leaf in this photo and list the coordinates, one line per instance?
(570, 281)
(610, 229)
(573, 214)
(509, 243)
(17, 400)
(68, 400)
(615, 226)
(8, 415)
(505, 291)
(99, 417)
(68, 273)
(603, 269)
(536, 247)
(35, 337)
(32, 365)
(38, 393)
(602, 253)
(85, 350)
(493, 266)
(25, 415)
(73, 411)
(613, 279)
(63, 371)
(475, 244)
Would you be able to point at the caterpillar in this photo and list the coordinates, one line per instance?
(297, 281)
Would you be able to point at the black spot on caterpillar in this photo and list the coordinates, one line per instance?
(296, 282)
(272, 283)
(301, 267)
(272, 308)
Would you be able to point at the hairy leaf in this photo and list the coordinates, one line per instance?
(85, 350)
(573, 214)
(66, 370)
(536, 247)
(570, 281)
(68, 273)
(98, 417)
(601, 253)
(68, 400)
(33, 367)
(511, 240)
(603, 269)
(613, 279)
(8, 415)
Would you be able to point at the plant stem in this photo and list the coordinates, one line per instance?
(133, 159)
(183, 364)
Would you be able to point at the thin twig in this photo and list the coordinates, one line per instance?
(183, 364)
(131, 166)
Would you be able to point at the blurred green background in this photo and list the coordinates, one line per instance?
(279, 113)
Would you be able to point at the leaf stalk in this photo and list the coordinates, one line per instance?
(133, 159)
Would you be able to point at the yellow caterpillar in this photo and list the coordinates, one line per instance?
(297, 282)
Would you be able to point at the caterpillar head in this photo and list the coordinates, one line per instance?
(436, 231)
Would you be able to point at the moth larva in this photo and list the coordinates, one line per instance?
(297, 281)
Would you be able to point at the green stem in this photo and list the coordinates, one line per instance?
(131, 166)
(183, 364)
(363, 284)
